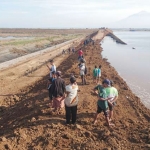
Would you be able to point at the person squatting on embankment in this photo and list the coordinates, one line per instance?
(63, 52)
(69, 50)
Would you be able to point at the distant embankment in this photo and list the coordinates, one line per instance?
(93, 34)
(110, 33)
(116, 38)
(58, 48)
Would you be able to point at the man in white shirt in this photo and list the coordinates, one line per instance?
(71, 101)
(52, 68)
(82, 72)
(112, 93)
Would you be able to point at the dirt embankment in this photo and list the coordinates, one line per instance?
(19, 42)
(29, 123)
(43, 32)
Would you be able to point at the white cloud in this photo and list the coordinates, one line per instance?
(79, 13)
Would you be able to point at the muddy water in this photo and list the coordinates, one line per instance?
(132, 61)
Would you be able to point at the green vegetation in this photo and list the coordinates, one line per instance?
(40, 39)
(23, 42)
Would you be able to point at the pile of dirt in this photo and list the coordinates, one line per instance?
(28, 122)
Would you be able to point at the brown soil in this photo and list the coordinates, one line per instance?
(28, 122)
(32, 40)
(43, 32)
(29, 70)
(18, 51)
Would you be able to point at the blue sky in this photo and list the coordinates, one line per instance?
(67, 13)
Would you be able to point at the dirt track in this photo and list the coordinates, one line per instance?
(29, 123)
(28, 70)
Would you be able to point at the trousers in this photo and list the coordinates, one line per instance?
(71, 112)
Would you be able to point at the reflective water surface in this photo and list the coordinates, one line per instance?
(132, 61)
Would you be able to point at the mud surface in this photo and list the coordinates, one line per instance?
(26, 41)
(27, 122)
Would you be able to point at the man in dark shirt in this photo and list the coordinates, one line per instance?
(58, 90)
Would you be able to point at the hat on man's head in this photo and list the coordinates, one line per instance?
(106, 81)
(58, 73)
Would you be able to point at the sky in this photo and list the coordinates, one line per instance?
(67, 13)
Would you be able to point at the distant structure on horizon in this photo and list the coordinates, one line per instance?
(138, 20)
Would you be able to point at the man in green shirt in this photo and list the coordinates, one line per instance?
(112, 93)
(102, 103)
(95, 73)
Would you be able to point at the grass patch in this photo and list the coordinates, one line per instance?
(23, 42)
(36, 40)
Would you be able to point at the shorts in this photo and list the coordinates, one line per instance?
(99, 110)
(99, 75)
(94, 77)
(82, 73)
(111, 107)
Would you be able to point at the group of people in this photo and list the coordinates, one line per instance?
(97, 74)
(62, 95)
(69, 50)
(107, 96)
(88, 40)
